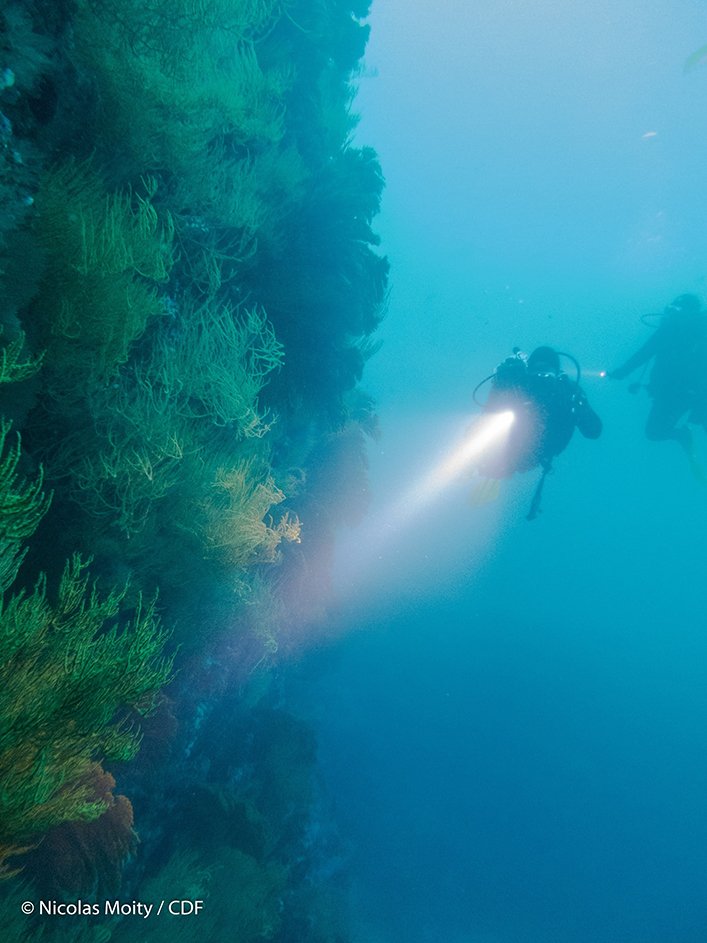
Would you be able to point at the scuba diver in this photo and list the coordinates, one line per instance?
(547, 406)
(678, 381)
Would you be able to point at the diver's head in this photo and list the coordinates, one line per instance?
(544, 360)
(685, 304)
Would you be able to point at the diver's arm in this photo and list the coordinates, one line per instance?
(586, 420)
(511, 373)
(509, 380)
(642, 355)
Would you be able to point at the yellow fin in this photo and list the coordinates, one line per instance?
(484, 492)
(697, 470)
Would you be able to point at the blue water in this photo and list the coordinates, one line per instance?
(513, 719)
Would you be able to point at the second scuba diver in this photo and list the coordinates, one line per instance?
(547, 406)
(678, 382)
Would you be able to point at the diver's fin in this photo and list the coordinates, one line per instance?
(484, 492)
(698, 472)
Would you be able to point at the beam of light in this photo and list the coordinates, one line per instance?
(488, 431)
(367, 557)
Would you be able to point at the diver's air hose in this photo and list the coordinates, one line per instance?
(562, 353)
(646, 318)
(478, 387)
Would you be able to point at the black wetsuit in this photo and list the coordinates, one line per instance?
(678, 380)
(547, 407)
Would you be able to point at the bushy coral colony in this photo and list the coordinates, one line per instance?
(189, 283)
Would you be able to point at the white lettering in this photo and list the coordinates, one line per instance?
(133, 908)
(73, 909)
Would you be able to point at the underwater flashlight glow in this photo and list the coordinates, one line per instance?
(391, 523)
(596, 374)
(487, 431)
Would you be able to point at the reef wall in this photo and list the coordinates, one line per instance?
(189, 285)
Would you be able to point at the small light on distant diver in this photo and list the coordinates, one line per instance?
(648, 135)
(596, 374)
